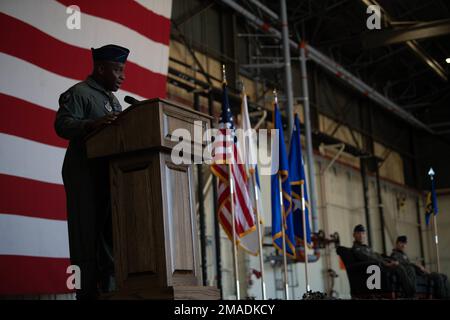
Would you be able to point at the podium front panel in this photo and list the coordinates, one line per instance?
(137, 220)
(179, 223)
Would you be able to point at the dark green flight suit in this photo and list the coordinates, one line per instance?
(441, 286)
(363, 252)
(85, 181)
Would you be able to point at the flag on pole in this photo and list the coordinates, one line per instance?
(247, 146)
(225, 151)
(280, 170)
(431, 203)
(297, 178)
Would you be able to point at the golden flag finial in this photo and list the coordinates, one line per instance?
(224, 75)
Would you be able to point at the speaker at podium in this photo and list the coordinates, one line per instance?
(155, 234)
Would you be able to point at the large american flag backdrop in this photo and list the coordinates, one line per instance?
(40, 57)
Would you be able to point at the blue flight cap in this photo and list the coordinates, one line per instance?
(110, 52)
(359, 228)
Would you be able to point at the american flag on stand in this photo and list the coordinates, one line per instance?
(40, 58)
(226, 158)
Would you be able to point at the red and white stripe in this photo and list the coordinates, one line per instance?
(225, 150)
(40, 58)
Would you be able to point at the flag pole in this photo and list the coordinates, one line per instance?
(258, 228)
(233, 222)
(233, 218)
(258, 217)
(283, 221)
(283, 230)
(436, 239)
(305, 241)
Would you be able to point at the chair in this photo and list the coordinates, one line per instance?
(357, 276)
(424, 287)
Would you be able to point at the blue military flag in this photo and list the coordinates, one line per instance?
(280, 171)
(297, 178)
(431, 203)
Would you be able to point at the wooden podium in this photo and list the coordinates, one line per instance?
(153, 208)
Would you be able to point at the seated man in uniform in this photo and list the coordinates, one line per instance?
(87, 106)
(441, 286)
(362, 252)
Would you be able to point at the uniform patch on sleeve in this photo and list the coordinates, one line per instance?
(108, 106)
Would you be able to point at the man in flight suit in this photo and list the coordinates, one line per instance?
(363, 252)
(83, 108)
(441, 285)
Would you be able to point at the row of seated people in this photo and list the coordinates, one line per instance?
(400, 278)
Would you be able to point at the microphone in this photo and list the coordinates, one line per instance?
(130, 100)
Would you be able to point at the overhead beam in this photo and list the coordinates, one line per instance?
(427, 59)
(413, 45)
(265, 9)
(333, 67)
(440, 125)
(418, 31)
(263, 65)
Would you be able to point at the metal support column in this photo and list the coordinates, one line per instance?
(362, 164)
(419, 229)
(377, 178)
(309, 143)
(287, 68)
(380, 207)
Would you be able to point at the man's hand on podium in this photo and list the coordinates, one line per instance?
(103, 121)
